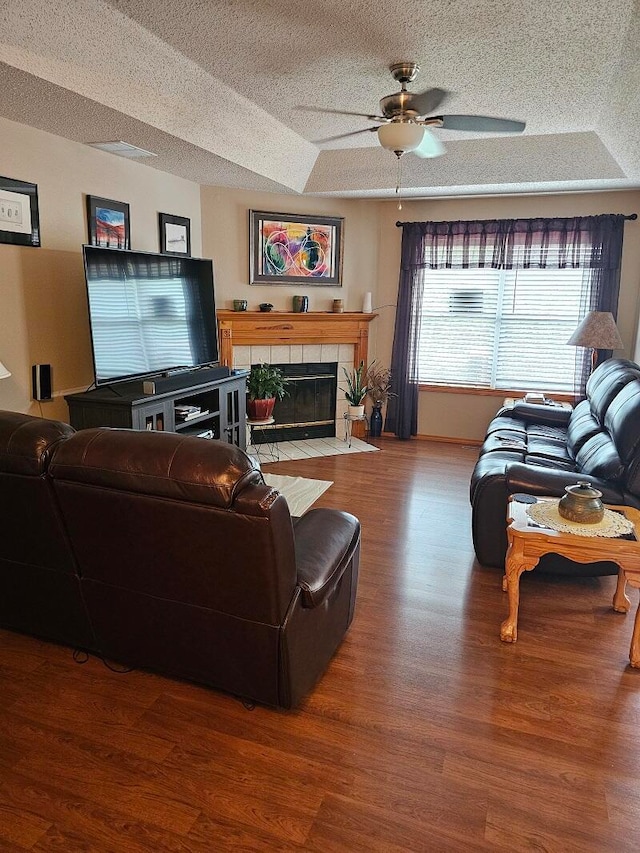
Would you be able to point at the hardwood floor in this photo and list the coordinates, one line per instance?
(426, 733)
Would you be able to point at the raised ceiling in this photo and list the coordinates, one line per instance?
(217, 88)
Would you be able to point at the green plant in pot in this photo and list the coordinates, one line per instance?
(356, 390)
(265, 385)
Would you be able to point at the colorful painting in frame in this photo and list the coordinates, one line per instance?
(287, 248)
(108, 223)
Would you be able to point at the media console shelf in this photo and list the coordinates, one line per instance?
(214, 409)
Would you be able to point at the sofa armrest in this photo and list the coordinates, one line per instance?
(539, 480)
(325, 542)
(531, 413)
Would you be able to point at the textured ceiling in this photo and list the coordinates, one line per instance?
(217, 88)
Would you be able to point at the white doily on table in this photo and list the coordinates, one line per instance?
(612, 525)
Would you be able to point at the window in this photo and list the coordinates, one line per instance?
(497, 328)
(491, 302)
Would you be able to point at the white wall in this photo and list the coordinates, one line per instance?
(225, 238)
(43, 313)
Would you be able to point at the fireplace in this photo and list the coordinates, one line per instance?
(309, 409)
(248, 337)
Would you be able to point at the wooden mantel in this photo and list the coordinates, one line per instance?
(285, 328)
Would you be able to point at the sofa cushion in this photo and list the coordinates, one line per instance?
(582, 426)
(606, 382)
(548, 448)
(506, 422)
(557, 434)
(623, 422)
(548, 462)
(599, 457)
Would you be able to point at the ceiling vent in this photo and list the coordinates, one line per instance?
(122, 149)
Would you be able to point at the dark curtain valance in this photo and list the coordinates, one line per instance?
(582, 242)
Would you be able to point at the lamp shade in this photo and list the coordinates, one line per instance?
(4, 373)
(598, 330)
(400, 136)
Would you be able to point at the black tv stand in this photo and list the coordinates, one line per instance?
(218, 405)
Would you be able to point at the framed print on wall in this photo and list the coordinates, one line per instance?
(108, 223)
(19, 217)
(175, 235)
(289, 248)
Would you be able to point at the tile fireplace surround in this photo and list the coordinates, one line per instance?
(278, 337)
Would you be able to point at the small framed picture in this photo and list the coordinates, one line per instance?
(19, 218)
(175, 235)
(108, 223)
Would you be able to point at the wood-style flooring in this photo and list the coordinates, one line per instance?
(426, 733)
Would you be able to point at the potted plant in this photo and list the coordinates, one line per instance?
(378, 390)
(265, 385)
(356, 391)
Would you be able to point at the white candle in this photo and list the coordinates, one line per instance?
(367, 303)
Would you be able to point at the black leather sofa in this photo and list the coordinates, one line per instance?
(541, 449)
(170, 553)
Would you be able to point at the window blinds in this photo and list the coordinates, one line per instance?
(503, 329)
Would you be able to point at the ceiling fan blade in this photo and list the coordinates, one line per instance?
(429, 100)
(341, 113)
(482, 124)
(430, 146)
(344, 135)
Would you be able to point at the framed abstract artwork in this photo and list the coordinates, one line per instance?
(289, 248)
(175, 235)
(19, 217)
(108, 223)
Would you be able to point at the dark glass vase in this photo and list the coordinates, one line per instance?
(375, 422)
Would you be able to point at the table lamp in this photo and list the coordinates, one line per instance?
(597, 330)
(4, 373)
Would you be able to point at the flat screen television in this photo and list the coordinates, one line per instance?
(148, 313)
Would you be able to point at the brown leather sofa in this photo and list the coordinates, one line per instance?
(39, 585)
(170, 553)
(541, 449)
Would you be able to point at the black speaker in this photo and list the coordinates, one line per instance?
(184, 379)
(41, 381)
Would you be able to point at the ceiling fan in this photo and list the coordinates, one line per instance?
(405, 121)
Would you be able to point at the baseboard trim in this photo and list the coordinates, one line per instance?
(445, 439)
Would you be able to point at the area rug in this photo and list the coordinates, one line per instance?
(308, 448)
(299, 492)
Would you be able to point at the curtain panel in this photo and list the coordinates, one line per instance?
(591, 243)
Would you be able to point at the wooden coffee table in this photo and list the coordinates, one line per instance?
(527, 544)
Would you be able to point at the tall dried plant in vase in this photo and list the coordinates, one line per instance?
(378, 379)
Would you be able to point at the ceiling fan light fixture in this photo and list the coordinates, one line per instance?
(400, 136)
